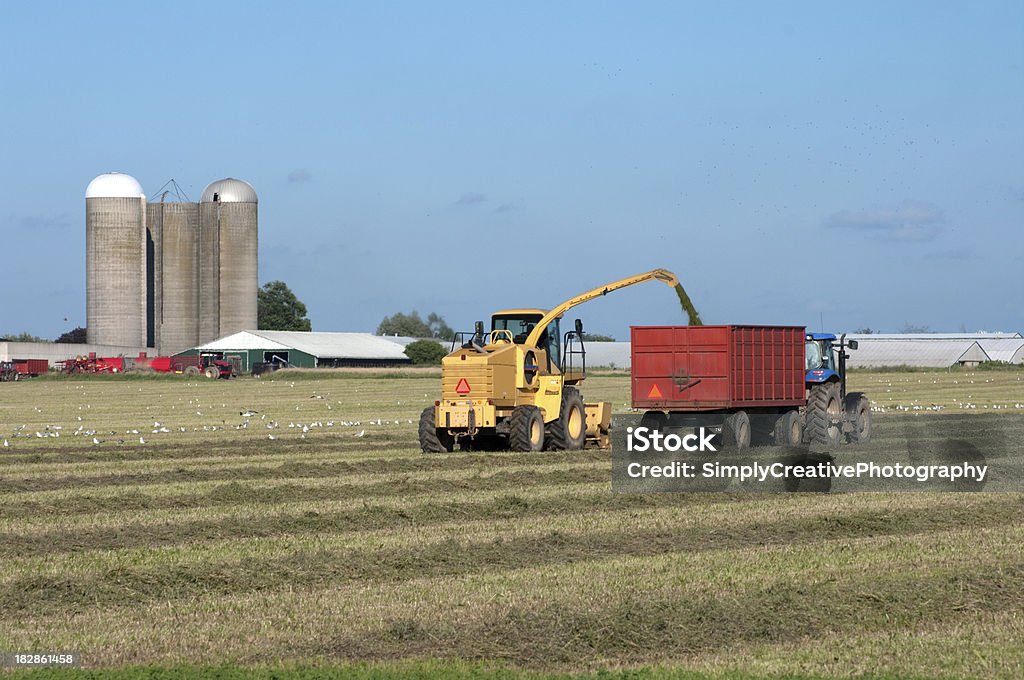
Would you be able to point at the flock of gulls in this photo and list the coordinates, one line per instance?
(251, 419)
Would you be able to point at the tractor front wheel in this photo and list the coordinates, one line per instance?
(526, 429)
(569, 431)
(433, 440)
(858, 410)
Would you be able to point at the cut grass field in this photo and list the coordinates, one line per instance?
(337, 546)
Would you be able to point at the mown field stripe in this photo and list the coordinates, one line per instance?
(366, 486)
(751, 590)
(722, 512)
(130, 585)
(297, 468)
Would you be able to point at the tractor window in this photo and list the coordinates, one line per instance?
(812, 354)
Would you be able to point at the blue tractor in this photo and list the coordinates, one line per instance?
(831, 412)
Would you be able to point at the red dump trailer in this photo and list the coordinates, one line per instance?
(750, 377)
(27, 368)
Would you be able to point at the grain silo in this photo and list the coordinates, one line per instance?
(174, 232)
(115, 261)
(228, 259)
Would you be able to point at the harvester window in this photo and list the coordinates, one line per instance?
(520, 327)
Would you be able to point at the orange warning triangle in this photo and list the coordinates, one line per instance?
(655, 393)
(462, 387)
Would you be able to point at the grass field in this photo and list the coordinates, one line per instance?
(313, 536)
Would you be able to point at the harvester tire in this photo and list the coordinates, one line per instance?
(736, 430)
(213, 372)
(858, 409)
(569, 431)
(526, 429)
(788, 430)
(431, 440)
(824, 415)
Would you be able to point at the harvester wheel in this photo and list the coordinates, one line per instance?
(858, 406)
(526, 429)
(736, 430)
(213, 372)
(824, 414)
(787, 430)
(431, 439)
(192, 371)
(569, 431)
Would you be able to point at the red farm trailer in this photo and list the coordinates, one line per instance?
(30, 368)
(754, 381)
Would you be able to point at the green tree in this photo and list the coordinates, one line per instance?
(597, 337)
(414, 326)
(75, 336)
(425, 352)
(280, 310)
(23, 337)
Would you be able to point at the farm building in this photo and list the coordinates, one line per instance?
(935, 350)
(919, 353)
(306, 350)
(1009, 350)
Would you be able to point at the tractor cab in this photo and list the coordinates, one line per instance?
(825, 358)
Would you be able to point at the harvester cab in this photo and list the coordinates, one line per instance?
(516, 386)
(831, 411)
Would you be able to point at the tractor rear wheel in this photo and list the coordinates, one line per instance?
(569, 431)
(213, 372)
(787, 431)
(433, 440)
(824, 415)
(526, 429)
(736, 430)
(858, 406)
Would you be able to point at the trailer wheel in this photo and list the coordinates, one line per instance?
(213, 372)
(736, 430)
(858, 406)
(787, 430)
(526, 431)
(569, 431)
(433, 440)
(192, 371)
(824, 415)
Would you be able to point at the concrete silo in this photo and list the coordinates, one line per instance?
(115, 261)
(228, 257)
(174, 232)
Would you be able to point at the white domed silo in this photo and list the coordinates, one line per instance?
(228, 271)
(174, 231)
(115, 261)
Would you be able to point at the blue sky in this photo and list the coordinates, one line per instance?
(857, 164)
